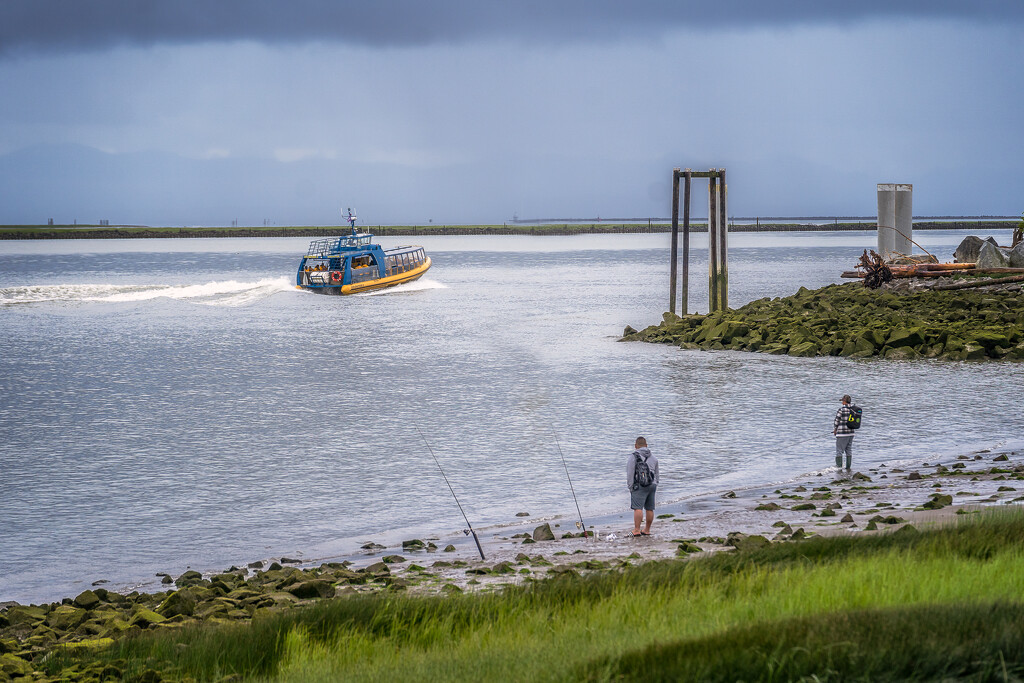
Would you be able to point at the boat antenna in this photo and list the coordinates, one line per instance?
(470, 531)
(582, 525)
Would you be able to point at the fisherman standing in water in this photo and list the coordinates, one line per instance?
(843, 433)
(642, 478)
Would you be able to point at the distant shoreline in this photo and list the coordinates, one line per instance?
(50, 232)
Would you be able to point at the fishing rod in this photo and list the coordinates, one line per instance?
(453, 494)
(582, 525)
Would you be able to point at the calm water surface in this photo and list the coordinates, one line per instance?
(173, 403)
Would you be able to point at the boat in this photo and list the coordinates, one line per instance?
(353, 263)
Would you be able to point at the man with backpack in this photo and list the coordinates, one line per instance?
(642, 478)
(847, 420)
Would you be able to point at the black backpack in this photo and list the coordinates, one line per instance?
(642, 475)
(853, 419)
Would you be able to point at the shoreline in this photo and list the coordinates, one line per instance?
(710, 515)
(46, 232)
(78, 637)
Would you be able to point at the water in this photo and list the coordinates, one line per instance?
(173, 403)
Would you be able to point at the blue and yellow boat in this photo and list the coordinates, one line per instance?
(354, 264)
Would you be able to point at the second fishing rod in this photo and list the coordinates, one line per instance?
(470, 530)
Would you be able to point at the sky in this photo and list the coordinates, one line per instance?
(467, 111)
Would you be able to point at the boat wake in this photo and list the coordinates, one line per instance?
(225, 293)
(414, 286)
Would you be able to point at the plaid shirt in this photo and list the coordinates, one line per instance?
(839, 424)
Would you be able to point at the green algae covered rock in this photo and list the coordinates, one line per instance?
(853, 322)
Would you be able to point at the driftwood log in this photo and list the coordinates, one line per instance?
(981, 283)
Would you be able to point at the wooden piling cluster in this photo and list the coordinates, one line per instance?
(718, 228)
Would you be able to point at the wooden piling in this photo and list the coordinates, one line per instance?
(687, 175)
(712, 242)
(673, 258)
(723, 253)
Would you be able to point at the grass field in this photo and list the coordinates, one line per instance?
(911, 605)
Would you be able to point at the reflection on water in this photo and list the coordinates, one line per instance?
(166, 403)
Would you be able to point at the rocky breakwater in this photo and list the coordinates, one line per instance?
(98, 617)
(853, 321)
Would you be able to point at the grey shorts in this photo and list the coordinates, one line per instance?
(643, 498)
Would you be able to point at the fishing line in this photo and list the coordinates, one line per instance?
(817, 436)
(438, 462)
(582, 525)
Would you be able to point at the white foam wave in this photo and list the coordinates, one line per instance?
(223, 293)
(414, 286)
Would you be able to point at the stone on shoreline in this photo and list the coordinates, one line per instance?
(87, 600)
(543, 533)
(938, 501)
(970, 247)
(1017, 256)
(744, 542)
(991, 256)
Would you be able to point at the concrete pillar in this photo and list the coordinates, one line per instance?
(895, 219)
(886, 219)
(904, 219)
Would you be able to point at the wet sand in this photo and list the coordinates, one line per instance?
(887, 493)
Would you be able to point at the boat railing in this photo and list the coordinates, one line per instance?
(333, 245)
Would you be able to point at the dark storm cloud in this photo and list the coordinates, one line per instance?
(73, 25)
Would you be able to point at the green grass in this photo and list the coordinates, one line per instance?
(903, 606)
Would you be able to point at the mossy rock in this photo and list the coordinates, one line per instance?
(13, 666)
(903, 337)
(181, 602)
(543, 533)
(804, 506)
(87, 599)
(189, 578)
(18, 615)
(145, 618)
(66, 617)
(687, 548)
(745, 542)
(901, 353)
(938, 501)
(807, 349)
(315, 588)
(770, 507)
